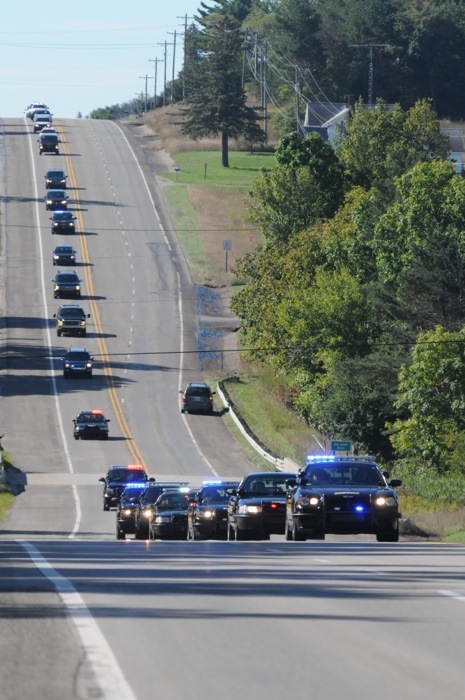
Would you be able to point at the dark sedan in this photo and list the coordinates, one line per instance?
(207, 517)
(90, 424)
(117, 478)
(64, 255)
(144, 511)
(170, 515)
(56, 199)
(55, 179)
(125, 523)
(342, 495)
(63, 222)
(66, 284)
(258, 509)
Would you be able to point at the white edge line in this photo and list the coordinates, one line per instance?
(452, 594)
(50, 359)
(108, 673)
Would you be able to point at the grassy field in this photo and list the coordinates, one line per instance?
(204, 168)
(6, 497)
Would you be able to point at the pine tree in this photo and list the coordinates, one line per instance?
(218, 103)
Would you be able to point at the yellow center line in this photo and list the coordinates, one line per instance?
(120, 417)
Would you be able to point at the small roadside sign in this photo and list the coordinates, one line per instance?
(341, 446)
(226, 245)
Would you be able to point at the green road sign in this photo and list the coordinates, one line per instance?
(341, 446)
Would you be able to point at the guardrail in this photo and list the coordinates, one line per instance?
(245, 430)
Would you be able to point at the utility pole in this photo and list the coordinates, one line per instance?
(165, 44)
(184, 59)
(146, 78)
(174, 59)
(297, 101)
(370, 48)
(156, 61)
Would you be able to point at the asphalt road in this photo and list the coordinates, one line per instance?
(85, 616)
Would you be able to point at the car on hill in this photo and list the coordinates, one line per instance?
(71, 320)
(63, 221)
(342, 495)
(117, 478)
(55, 178)
(144, 510)
(64, 255)
(125, 523)
(77, 362)
(48, 143)
(90, 424)
(258, 508)
(66, 284)
(169, 520)
(56, 199)
(207, 515)
(197, 397)
(33, 107)
(40, 121)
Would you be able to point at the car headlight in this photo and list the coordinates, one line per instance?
(57, 287)
(147, 513)
(60, 323)
(163, 519)
(67, 365)
(308, 501)
(250, 510)
(383, 501)
(77, 288)
(127, 511)
(207, 514)
(89, 365)
(83, 323)
(110, 492)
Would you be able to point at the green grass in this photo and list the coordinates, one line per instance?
(261, 401)
(185, 221)
(204, 168)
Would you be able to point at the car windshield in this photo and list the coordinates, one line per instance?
(126, 475)
(56, 194)
(198, 391)
(75, 355)
(266, 484)
(214, 495)
(90, 418)
(132, 495)
(66, 277)
(344, 473)
(63, 216)
(173, 502)
(56, 174)
(64, 250)
(72, 313)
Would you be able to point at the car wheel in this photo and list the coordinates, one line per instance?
(287, 532)
(76, 437)
(106, 506)
(390, 534)
(318, 534)
(183, 410)
(120, 534)
(229, 533)
(296, 535)
(240, 535)
(58, 333)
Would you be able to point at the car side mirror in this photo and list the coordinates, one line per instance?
(102, 480)
(395, 483)
(88, 316)
(54, 315)
(152, 478)
(240, 492)
(181, 391)
(213, 392)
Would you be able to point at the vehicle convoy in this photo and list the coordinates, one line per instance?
(66, 284)
(258, 508)
(91, 424)
(125, 523)
(144, 510)
(71, 320)
(77, 362)
(207, 516)
(342, 495)
(117, 478)
(169, 520)
(48, 143)
(63, 221)
(55, 179)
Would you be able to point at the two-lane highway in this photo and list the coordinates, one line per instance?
(86, 616)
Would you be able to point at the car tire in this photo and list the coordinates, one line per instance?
(318, 534)
(183, 410)
(297, 536)
(240, 535)
(120, 534)
(287, 532)
(59, 334)
(390, 534)
(229, 533)
(76, 437)
(106, 506)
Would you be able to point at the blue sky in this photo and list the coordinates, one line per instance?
(87, 54)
